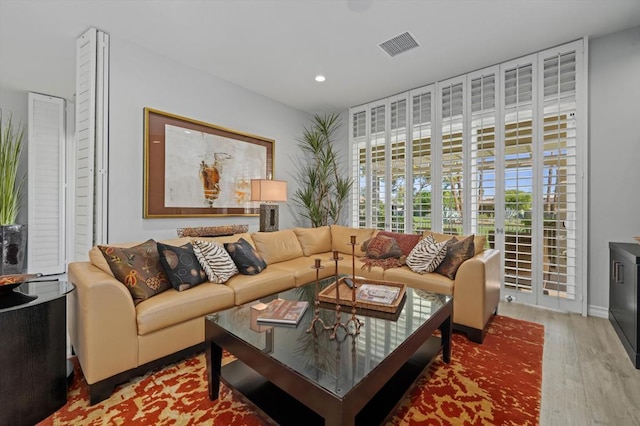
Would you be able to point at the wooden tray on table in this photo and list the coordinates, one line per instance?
(328, 295)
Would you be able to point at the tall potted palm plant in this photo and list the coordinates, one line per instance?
(324, 186)
(13, 237)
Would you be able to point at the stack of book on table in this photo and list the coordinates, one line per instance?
(377, 293)
(280, 311)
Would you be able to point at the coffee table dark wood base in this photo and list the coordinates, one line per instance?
(336, 411)
(286, 410)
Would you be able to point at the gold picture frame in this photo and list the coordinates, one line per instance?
(197, 169)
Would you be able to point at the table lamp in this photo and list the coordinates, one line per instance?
(270, 192)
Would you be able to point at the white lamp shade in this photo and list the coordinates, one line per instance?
(268, 190)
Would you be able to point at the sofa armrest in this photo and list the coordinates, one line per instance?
(102, 322)
(476, 289)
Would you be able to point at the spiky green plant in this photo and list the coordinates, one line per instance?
(10, 183)
(324, 189)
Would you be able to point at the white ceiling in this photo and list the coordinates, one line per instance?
(276, 48)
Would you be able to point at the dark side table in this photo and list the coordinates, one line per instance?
(33, 354)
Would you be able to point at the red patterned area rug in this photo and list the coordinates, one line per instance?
(498, 382)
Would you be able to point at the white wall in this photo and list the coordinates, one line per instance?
(140, 78)
(614, 164)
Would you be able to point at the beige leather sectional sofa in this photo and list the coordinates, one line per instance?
(115, 340)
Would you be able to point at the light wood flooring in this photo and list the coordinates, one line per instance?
(587, 377)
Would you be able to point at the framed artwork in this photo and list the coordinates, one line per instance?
(196, 169)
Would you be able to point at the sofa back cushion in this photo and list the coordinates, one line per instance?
(228, 238)
(341, 238)
(278, 246)
(478, 240)
(314, 240)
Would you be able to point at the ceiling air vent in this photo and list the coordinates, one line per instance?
(399, 44)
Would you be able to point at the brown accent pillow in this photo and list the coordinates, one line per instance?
(406, 242)
(457, 252)
(382, 247)
(138, 268)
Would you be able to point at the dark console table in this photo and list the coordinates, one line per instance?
(33, 359)
(624, 264)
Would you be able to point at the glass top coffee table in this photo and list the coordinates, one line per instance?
(297, 377)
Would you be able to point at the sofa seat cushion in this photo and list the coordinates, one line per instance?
(341, 238)
(361, 269)
(302, 270)
(174, 307)
(429, 281)
(314, 240)
(277, 246)
(252, 287)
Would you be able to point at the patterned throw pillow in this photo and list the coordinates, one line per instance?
(457, 252)
(215, 261)
(246, 258)
(406, 242)
(181, 265)
(381, 247)
(138, 268)
(427, 255)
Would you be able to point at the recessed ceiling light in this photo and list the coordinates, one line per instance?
(320, 78)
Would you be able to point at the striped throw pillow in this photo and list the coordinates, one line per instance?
(215, 261)
(427, 255)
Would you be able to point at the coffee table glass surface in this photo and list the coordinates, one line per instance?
(337, 365)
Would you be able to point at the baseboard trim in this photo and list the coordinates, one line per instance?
(597, 311)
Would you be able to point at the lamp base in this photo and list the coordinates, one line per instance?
(269, 217)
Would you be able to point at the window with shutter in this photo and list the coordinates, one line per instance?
(421, 159)
(506, 149)
(452, 156)
(482, 156)
(378, 169)
(398, 164)
(359, 168)
(559, 175)
(518, 176)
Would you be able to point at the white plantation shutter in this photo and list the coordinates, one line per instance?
(377, 174)
(46, 185)
(450, 110)
(397, 164)
(483, 157)
(358, 126)
(421, 153)
(519, 170)
(91, 140)
(506, 148)
(559, 152)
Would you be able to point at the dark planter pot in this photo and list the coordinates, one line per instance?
(13, 240)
